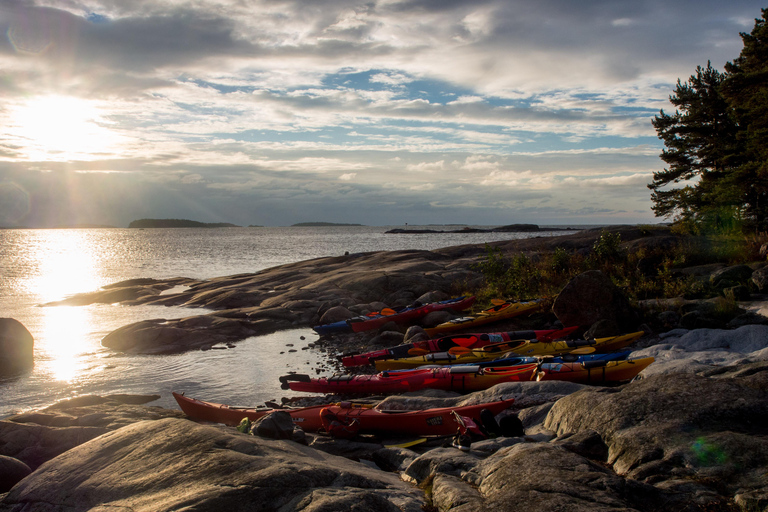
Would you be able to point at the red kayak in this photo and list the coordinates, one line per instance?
(460, 378)
(401, 315)
(426, 422)
(445, 343)
(443, 421)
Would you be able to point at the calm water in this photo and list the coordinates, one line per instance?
(39, 266)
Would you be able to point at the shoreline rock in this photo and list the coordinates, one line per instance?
(512, 228)
(668, 442)
(16, 347)
(298, 294)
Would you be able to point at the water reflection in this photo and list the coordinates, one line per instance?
(60, 264)
(66, 263)
(64, 336)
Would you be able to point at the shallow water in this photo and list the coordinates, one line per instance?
(39, 266)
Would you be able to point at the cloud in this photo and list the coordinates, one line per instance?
(481, 105)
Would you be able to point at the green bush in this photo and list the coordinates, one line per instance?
(521, 276)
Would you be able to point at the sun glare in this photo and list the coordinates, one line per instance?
(65, 335)
(67, 262)
(56, 127)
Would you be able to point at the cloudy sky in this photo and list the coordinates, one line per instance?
(379, 112)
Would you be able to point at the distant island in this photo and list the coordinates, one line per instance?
(512, 228)
(316, 224)
(178, 223)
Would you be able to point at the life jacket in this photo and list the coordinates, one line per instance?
(339, 427)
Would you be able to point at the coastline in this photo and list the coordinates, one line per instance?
(631, 460)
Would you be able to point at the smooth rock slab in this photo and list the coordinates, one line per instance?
(711, 432)
(173, 464)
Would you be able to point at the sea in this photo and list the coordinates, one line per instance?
(39, 266)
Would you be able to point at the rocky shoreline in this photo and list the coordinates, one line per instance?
(690, 434)
(511, 228)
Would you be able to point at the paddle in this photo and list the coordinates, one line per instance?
(407, 444)
(498, 302)
(498, 347)
(493, 347)
(417, 351)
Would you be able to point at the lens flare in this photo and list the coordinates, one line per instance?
(708, 454)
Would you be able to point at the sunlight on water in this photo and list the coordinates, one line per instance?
(65, 332)
(67, 264)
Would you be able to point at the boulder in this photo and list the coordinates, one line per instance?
(760, 279)
(335, 314)
(12, 471)
(175, 464)
(387, 338)
(735, 274)
(434, 318)
(736, 293)
(590, 297)
(16, 347)
(415, 333)
(276, 425)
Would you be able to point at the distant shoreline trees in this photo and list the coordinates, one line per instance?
(716, 144)
(177, 223)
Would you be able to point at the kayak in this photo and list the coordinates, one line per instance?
(594, 372)
(428, 422)
(377, 319)
(447, 342)
(459, 378)
(425, 422)
(306, 417)
(493, 314)
(458, 355)
(565, 358)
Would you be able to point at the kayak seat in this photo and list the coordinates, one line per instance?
(340, 378)
(473, 368)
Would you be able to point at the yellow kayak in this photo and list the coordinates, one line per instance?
(486, 316)
(458, 355)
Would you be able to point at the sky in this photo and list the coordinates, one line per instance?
(378, 112)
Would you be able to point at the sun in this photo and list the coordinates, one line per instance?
(60, 127)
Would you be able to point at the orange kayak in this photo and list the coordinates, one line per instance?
(594, 372)
(493, 314)
(427, 422)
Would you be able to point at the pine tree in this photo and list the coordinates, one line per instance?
(696, 139)
(716, 142)
(746, 90)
